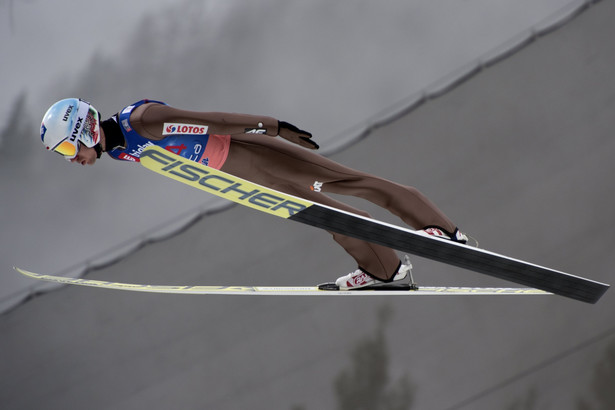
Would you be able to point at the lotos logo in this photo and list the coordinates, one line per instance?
(171, 128)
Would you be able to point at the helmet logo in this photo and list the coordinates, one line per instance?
(67, 113)
(43, 131)
(77, 129)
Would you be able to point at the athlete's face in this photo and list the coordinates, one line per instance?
(88, 156)
(85, 155)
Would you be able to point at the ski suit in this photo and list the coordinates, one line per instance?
(243, 145)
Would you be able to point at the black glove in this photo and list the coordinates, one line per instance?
(295, 135)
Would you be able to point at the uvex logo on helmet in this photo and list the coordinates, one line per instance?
(76, 129)
(67, 113)
(171, 128)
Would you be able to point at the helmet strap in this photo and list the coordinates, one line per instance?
(98, 149)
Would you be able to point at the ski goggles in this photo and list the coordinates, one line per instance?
(67, 149)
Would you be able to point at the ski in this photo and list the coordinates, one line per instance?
(279, 290)
(290, 207)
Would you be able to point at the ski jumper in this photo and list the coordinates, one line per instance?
(242, 145)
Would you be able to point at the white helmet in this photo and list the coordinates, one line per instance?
(68, 122)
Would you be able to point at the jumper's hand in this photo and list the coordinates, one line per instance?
(295, 135)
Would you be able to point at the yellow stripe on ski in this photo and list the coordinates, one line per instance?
(277, 290)
(221, 184)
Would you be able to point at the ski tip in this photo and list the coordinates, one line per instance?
(26, 273)
(19, 270)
